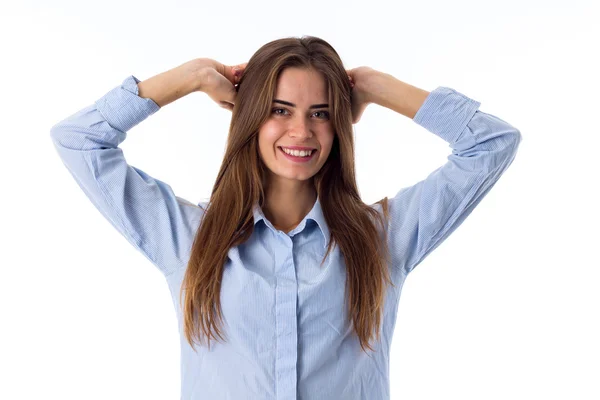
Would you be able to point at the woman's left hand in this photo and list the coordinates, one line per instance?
(361, 80)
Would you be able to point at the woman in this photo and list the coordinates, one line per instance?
(284, 229)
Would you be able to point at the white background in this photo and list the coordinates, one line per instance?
(506, 308)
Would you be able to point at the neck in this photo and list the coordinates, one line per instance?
(288, 202)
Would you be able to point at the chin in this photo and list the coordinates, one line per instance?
(295, 177)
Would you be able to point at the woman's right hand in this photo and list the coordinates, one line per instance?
(218, 80)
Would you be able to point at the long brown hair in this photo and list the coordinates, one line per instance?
(228, 219)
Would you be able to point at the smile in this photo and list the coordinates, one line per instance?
(298, 159)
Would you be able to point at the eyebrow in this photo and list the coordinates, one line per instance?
(287, 103)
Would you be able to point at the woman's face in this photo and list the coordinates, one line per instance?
(293, 123)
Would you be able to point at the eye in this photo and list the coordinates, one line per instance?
(278, 109)
(323, 112)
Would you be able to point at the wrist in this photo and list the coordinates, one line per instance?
(379, 85)
(399, 96)
(194, 70)
(169, 86)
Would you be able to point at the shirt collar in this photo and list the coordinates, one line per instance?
(316, 214)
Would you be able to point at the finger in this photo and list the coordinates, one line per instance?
(233, 73)
(229, 100)
(237, 75)
(226, 105)
(229, 73)
(351, 80)
(238, 69)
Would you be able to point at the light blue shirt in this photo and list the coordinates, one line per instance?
(285, 318)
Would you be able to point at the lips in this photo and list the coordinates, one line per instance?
(297, 148)
(313, 150)
(298, 159)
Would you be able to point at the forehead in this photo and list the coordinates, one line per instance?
(301, 83)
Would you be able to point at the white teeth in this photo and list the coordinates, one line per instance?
(297, 153)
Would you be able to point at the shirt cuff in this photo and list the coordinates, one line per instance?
(123, 108)
(446, 113)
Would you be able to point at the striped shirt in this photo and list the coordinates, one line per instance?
(284, 317)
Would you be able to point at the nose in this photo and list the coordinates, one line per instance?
(300, 129)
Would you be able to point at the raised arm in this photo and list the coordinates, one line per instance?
(144, 210)
(483, 147)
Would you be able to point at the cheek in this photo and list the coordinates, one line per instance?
(268, 135)
(327, 143)
(266, 145)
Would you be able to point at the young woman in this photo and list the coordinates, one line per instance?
(285, 257)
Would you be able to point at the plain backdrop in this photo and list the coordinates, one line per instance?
(506, 308)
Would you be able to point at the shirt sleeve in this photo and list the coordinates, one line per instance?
(483, 146)
(144, 210)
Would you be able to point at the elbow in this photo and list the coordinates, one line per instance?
(516, 141)
(56, 131)
(55, 134)
(505, 149)
(517, 135)
(61, 133)
(508, 142)
(511, 147)
(61, 136)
